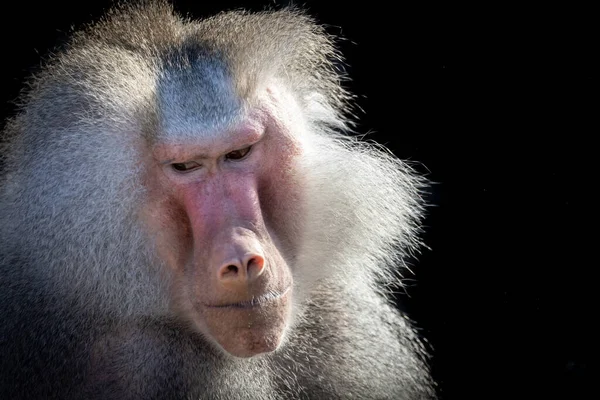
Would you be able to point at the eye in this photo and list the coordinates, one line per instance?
(238, 154)
(185, 167)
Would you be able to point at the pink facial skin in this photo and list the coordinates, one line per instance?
(220, 198)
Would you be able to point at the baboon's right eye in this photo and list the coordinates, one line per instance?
(185, 167)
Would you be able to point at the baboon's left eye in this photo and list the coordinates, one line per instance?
(238, 154)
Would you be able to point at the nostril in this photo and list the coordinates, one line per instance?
(230, 271)
(242, 271)
(232, 268)
(256, 261)
(255, 266)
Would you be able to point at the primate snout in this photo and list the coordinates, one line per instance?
(241, 271)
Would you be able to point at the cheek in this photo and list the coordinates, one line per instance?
(167, 223)
(281, 195)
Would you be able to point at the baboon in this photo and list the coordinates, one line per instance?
(186, 214)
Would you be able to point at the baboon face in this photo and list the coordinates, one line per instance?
(223, 207)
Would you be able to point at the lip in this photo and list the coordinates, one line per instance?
(255, 301)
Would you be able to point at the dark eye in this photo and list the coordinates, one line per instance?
(238, 154)
(185, 167)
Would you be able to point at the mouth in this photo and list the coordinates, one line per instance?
(255, 301)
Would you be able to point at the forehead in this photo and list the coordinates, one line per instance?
(195, 99)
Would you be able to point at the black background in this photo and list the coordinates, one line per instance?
(494, 103)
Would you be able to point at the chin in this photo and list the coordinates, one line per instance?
(249, 328)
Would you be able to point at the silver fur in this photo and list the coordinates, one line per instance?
(75, 261)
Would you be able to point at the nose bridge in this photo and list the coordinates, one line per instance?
(233, 201)
(235, 244)
(227, 227)
(222, 202)
(240, 198)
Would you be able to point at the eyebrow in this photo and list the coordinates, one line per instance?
(196, 156)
